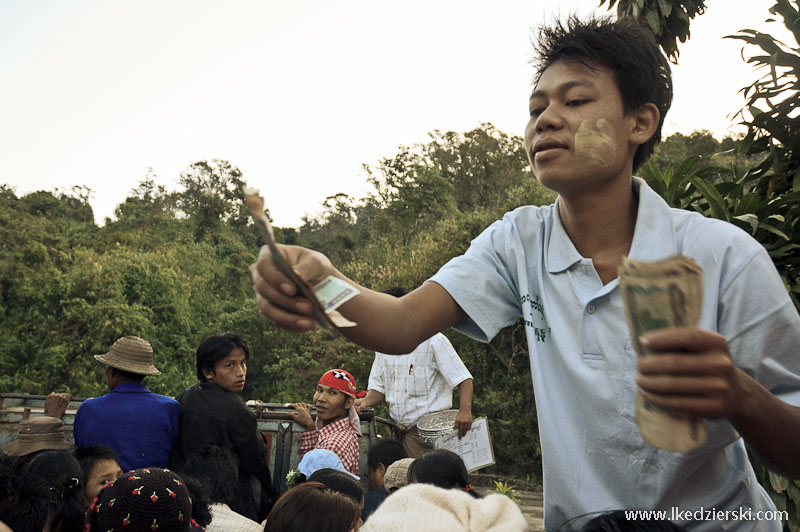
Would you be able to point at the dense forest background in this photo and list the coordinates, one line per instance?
(171, 267)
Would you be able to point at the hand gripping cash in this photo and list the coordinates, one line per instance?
(659, 295)
(326, 296)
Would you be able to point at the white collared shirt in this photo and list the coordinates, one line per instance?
(226, 520)
(419, 382)
(584, 366)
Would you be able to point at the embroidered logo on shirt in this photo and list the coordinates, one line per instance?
(535, 304)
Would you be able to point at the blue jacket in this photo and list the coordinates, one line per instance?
(139, 425)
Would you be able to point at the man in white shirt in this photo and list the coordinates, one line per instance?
(418, 383)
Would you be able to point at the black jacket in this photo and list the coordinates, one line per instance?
(212, 416)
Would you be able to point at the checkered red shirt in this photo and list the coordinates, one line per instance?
(341, 437)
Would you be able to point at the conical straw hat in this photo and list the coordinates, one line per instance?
(130, 353)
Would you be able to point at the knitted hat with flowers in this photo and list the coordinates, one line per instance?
(342, 381)
(144, 500)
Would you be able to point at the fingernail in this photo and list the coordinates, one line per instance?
(644, 342)
(286, 288)
(303, 307)
(305, 324)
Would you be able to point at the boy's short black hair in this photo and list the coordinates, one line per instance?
(385, 452)
(396, 291)
(338, 481)
(628, 48)
(216, 347)
(90, 455)
(129, 376)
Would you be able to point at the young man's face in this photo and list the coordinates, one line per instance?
(103, 471)
(229, 371)
(578, 136)
(331, 403)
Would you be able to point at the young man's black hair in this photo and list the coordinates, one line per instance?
(627, 48)
(385, 452)
(216, 347)
(339, 482)
(618, 521)
(218, 469)
(396, 291)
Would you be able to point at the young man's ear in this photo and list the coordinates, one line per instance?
(645, 123)
(349, 402)
(208, 373)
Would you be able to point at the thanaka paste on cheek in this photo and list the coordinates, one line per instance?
(594, 143)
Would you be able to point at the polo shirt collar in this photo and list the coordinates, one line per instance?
(653, 238)
(561, 252)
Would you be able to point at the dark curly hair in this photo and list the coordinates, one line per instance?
(627, 47)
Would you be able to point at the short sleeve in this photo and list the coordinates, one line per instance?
(481, 281)
(762, 326)
(376, 375)
(448, 363)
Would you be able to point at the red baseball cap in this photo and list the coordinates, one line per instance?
(341, 380)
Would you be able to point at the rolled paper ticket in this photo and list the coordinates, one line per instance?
(658, 295)
(327, 296)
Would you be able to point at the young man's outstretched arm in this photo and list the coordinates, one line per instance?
(385, 323)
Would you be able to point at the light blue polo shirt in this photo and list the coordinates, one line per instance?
(584, 366)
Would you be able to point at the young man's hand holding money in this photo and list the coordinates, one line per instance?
(693, 374)
(277, 296)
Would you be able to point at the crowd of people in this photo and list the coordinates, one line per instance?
(48, 484)
(144, 461)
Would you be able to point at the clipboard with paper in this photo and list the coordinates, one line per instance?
(475, 448)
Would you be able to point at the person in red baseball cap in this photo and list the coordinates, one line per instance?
(337, 426)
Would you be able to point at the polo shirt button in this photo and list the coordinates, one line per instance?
(590, 309)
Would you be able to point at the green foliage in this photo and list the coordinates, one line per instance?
(679, 147)
(669, 19)
(504, 488)
(763, 199)
(172, 268)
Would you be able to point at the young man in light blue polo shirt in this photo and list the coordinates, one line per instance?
(600, 97)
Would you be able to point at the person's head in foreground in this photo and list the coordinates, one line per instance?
(441, 468)
(335, 394)
(22, 507)
(55, 477)
(144, 500)
(427, 508)
(397, 474)
(602, 89)
(342, 482)
(313, 506)
(99, 466)
(222, 360)
(380, 457)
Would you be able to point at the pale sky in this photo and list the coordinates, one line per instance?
(296, 94)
